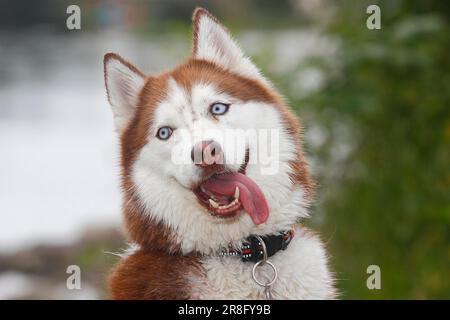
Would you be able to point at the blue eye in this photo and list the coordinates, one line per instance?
(164, 133)
(219, 108)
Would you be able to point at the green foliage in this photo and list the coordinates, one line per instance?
(384, 190)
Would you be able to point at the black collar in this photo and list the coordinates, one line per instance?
(251, 249)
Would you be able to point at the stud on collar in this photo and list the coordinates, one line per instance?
(252, 250)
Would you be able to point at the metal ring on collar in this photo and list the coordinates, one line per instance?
(275, 273)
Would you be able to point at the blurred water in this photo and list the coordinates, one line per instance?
(58, 156)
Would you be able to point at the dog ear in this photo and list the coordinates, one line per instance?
(214, 43)
(123, 83)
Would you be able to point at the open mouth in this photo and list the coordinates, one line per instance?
(225, 194)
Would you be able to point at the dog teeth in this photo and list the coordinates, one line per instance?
(213, 203)
(234, 202)
(217, 206)
(236, 193)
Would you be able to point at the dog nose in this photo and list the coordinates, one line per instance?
(207, 153)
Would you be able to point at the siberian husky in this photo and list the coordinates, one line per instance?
(214, 180)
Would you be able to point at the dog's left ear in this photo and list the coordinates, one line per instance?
(123, 83)
(213, 42)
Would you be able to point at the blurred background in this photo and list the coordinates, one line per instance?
(375, 105)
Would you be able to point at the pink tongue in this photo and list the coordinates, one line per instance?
(250, 194)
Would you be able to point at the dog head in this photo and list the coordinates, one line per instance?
(210, 152)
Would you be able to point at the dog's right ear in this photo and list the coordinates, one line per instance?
(214, 43)
(123, 83)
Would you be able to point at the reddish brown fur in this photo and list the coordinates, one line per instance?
(150, 274)
(156, 271)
